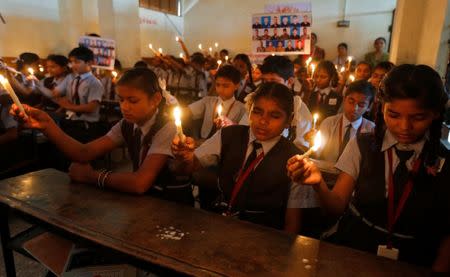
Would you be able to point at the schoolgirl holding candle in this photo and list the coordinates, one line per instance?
(324, 99)
(393, 187)
(147, 130)
(253, 184)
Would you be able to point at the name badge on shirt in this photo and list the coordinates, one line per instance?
(332, 101)
(69, 114)
(383, 251)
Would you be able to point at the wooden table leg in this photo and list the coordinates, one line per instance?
(5, 236)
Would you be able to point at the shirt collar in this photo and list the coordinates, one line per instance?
(85, 75)
(227, 102)
(325, 91)
(147, 125)
(267, 145)
(355, 124)
(389, 141)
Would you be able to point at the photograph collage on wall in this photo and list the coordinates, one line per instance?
(289, 33)
(104, 51)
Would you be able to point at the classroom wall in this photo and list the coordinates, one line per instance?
(368, 19)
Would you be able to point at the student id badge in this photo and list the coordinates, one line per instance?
(384, 251)
(69, 114)
(332, 102)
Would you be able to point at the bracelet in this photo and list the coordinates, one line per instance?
(99, 176)
(104, 179)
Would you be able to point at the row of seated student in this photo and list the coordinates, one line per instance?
(376, 163)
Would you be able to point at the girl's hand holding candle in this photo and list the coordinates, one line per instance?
(177, 117)
(7, 86)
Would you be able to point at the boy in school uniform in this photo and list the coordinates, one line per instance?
(84, 95)
(281, 70)
(227, 82)
(337, 130)
(193, 82)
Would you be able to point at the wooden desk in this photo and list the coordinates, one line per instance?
(212, 246)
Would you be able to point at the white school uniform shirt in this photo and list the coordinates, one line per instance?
(61, 86)
(192, 79)
(161, 141)
(350, 160)
(208, 154)
(329, 129)
(206, 108)
(90, 89)
(323, 92)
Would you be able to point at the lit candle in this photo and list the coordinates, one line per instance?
(114, 74)
(226, 59)
(216, 45)
(31, 71)
(349, 60)
(41, 68)
(342, 69)
(317, 144)
(181, 55)
(200, 46)
(313, 68)
(160, 50)
(7, 86)
(219, 62)
(177, 39)
(153, 50)
(315, 117)
(351, 78)
(210, 50)
(177, 116)
(219, 110)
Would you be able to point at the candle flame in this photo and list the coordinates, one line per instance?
(317, 141)
(3, 80)
(114, 73)
(41, 68)
(181, 55)
(219, 110)
(216, 44)
(342, 69)
(308, 61)
(31, 71)
(350, 59)
(226, 58)
(160, 50)
(177, 116)
(351, 78)
(150, 46)
(177, 38)
(219, 62)
(316, 116)
(210, 49)
(200, 46)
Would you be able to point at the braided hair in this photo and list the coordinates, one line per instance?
(419, 82)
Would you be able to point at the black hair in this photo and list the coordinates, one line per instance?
(82, 53)
(279, 93)
(140, 78)
(59, 60)
(248, 64)
(229, 72)
(94, 35)
(367, 64)
(279, 65)
(386, 66)
(314, 35)
(328, 66)
(361, 86)
(419, 82)
(224, 51)
(26, 58)
(343, 44)
(380, 38)
(198, 58)
(117, 65)
(142, 64)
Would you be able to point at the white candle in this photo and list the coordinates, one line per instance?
(308, 61)
(219, 62)
(5, 83)
(317, 144)
(315, 117)
(177, 116)
(114, 74)
(226, 59)
(349, 59)
(153, 50)
(216, 45)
